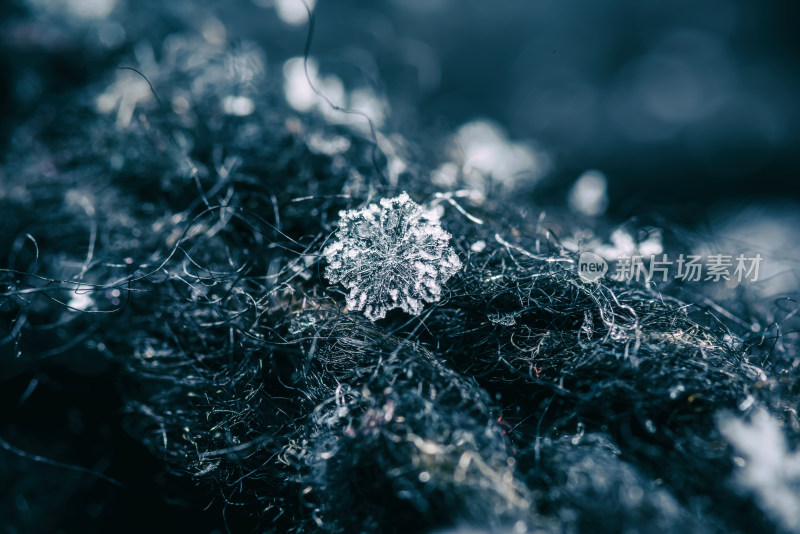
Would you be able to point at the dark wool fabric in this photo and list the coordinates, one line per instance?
(175, 356)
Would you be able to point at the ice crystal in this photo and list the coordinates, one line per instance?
(395, 255)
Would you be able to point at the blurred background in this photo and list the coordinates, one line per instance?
(674, 102)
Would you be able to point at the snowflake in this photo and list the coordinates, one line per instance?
(395, 255)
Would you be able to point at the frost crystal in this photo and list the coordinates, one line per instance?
(395, 255)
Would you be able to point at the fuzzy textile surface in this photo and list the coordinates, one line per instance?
(228, 304)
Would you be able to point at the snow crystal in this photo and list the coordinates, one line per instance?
(395, 255)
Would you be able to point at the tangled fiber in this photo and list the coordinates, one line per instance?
(162, 242)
